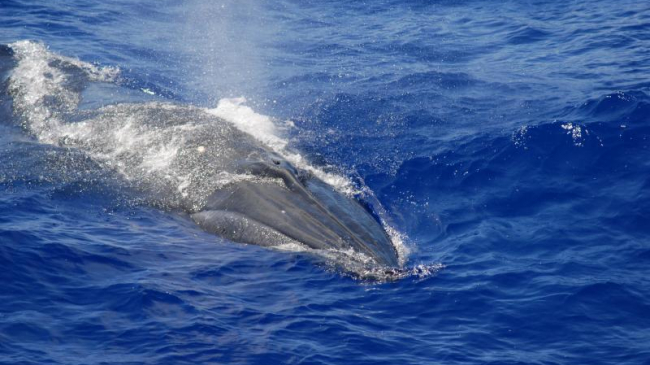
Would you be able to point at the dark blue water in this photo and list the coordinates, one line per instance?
(508, 142)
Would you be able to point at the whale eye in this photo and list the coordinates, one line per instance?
(277, 162)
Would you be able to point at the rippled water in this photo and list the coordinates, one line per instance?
(508, 144)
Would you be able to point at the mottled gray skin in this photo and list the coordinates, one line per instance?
(302, 208)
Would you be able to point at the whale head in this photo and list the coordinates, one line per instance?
(287, 205)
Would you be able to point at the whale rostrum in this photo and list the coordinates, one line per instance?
(293, 206)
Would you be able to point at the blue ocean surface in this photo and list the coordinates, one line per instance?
(506, 145)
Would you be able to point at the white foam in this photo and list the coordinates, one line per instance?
(42, 96)
(397, 239)
(264, 129)
(247, 120)
(34, 79)
(575, 131)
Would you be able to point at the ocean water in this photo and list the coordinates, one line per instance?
(506, 145)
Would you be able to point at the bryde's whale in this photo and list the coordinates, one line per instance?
(229, 182)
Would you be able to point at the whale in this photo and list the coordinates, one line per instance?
(187, 158)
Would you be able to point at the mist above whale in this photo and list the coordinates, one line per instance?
(181, 157)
